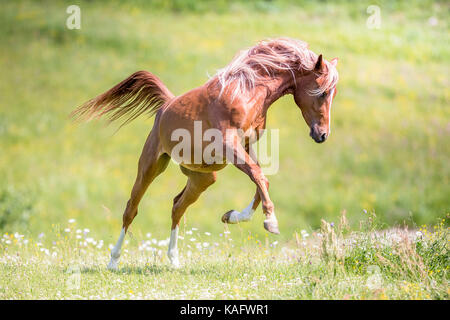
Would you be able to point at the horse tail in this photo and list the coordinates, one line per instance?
(139, 93)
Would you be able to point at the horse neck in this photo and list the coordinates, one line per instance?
(277, 87)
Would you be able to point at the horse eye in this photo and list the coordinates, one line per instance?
(323, 95)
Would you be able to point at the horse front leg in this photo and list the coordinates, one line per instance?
(237, 155)
(233, 216)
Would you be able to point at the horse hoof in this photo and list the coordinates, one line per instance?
(173, 258)
(113, 265)
(271, 226)
(226, 217)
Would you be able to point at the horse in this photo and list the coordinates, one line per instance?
(233, 102)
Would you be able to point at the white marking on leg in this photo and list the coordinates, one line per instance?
(272, 219)
(115, 252)
(245, 215)
(173, 250)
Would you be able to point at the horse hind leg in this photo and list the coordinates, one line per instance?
(196, 184)
(151, 164)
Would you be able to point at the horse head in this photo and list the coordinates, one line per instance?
(314, 95)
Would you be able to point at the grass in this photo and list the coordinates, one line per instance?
(388, 152)
(332, 263)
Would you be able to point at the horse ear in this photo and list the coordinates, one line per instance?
(334, 61)
(319, 63)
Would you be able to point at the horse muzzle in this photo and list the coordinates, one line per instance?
(318, 135)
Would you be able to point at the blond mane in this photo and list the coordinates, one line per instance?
(250, 67)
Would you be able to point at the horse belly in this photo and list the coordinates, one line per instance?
(204, 167)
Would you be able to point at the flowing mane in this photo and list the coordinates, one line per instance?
(250, 67)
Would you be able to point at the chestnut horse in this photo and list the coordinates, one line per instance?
(235, 102)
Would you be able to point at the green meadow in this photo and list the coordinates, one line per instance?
(388, 154)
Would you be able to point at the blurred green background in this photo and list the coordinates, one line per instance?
(389, 151)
